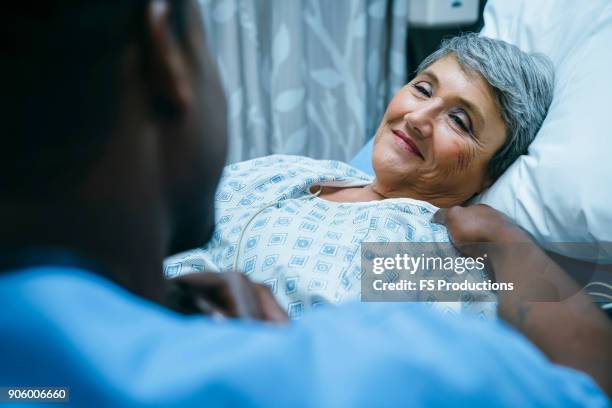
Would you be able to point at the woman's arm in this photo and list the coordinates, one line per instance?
(567, 327)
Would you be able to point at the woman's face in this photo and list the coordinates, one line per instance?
(437, 136)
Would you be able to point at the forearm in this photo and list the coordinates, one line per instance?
(549, 308)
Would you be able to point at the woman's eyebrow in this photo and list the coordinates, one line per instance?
(431, 76)
(471, 107)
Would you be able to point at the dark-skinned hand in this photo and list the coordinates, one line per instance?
(224, 295)
(477, 224)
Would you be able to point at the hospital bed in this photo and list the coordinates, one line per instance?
(559, 191)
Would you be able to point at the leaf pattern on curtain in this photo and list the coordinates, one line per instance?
(307, 77)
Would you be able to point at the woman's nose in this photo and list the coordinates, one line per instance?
(423, 117)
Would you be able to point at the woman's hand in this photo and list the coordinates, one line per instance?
(227, 294)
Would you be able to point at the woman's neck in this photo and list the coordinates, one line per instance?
(350, 194)
(448, 199)
(376, 192)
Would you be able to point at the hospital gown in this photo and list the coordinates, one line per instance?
(305, 249)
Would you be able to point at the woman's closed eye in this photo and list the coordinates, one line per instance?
(423, 88)
(462, 120)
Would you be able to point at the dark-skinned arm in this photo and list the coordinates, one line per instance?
(546, 305)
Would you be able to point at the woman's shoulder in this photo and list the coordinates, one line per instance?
(284, 162)
(279, 160)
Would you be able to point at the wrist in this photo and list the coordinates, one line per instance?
(507, 233)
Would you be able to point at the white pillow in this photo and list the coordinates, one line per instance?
(562, 190)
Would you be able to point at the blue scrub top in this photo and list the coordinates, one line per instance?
(66, 326)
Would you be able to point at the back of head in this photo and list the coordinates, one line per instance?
(60, 88)
(522, 84)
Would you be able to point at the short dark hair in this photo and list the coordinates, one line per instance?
(60, 86)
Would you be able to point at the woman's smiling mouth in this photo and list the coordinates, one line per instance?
(406, 144)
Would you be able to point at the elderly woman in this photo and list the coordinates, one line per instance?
(297, 224)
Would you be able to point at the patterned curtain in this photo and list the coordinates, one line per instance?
(307, 77)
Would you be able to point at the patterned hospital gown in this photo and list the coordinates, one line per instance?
(306, 249)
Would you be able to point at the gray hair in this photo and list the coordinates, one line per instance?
(522, 84)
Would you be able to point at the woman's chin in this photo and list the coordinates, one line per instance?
(392, 163)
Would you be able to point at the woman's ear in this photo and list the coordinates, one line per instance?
(167, 64)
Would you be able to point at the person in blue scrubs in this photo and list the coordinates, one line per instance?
(114, 124)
